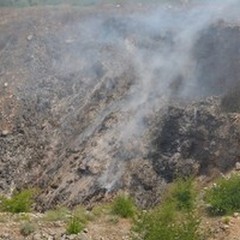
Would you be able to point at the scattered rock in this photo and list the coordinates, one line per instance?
(5, 132)
(83, 236)
(30, 37)
(37, 236)
(225, 227)
(72, 237)
(236, 214)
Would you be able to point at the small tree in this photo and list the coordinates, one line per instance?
(123, 206)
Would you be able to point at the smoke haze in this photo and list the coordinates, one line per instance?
(153, 51)
(93, 79)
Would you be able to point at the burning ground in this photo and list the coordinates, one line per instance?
(116, 97)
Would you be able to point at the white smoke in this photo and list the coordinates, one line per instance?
(157, 46)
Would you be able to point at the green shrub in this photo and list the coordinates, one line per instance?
(175, 219)
(123, 206)
(165, 222)
(27, 228)
(224, 196)
(19, 202)
(74, 226)
(183, 193)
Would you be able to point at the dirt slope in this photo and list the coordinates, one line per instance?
(75, 119)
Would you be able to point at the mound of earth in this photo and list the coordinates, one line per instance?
(80, 120)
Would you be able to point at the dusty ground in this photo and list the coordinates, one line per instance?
(105, 227)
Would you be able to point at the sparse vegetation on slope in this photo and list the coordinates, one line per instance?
(175, 218)
(74, 226)
(123, 206)
(19, 202)
(224, 196)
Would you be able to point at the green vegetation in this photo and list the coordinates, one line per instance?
(27, 228)
(183, 193)
(226, 220)
(123, 206)
(19, 202)
(175, 218)
(75, 219)
(74, 226)
(224, 196)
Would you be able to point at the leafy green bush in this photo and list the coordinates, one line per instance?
(165, 222)
(27, 228)
(224, 196)
(74, 226)
(19, 202)
(175, 219)
(183, 193)
(123, 206)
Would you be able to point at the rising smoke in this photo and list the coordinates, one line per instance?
(133, 63)
(157, 48)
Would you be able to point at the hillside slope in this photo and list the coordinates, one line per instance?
(88, 106)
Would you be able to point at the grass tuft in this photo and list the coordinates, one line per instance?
(224, 196)
(123, 206)
(74, 226)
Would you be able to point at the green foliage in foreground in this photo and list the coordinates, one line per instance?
(224, 196)
(175, 219)
(123, 206)
(183, 193)
(19, 202)
(74, 226)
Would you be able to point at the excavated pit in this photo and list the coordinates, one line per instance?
(82, 117)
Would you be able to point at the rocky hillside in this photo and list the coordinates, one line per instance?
(108, 97)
